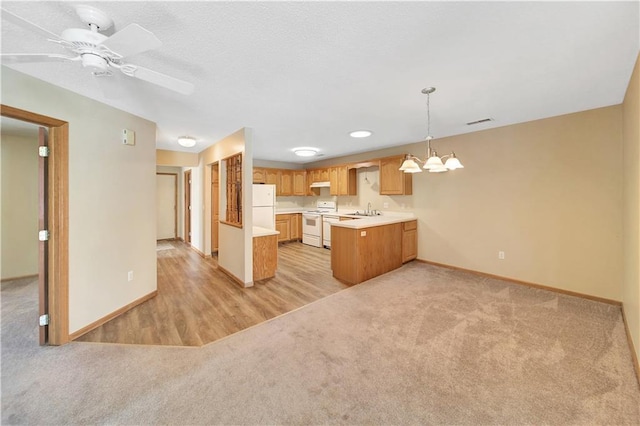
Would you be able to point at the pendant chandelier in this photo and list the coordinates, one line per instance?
(433, 163)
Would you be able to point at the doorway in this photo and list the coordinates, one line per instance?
(53, 208)
(187, 207)
(166, 206)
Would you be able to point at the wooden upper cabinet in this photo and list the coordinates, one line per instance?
(286, 182)
(392, 180)
(333, 181)
(324, 175)
(343, 180)
(299, 182)
(271, 177)
(259, 175)
(347, 181)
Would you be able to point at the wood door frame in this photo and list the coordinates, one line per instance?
(58, 218)
(187, 205)
(43, 256)
(215, 205)
(175, 201)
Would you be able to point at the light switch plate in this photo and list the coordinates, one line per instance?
(128, 137)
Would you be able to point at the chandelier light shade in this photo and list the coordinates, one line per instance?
(187, 141)
(433, 163)
(409, 165)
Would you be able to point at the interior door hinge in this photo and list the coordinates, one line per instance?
(43, 151)
(44, 320)
(43, 235)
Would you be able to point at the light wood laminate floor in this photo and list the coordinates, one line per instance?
(197, 303)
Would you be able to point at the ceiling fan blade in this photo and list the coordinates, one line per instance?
(28, 25)
(131, 40)
(21, 58)
(163, 80)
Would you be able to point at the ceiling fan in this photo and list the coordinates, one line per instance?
(96, 51)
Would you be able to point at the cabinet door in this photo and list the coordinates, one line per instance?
(347, 181)
(324, 175)
(258, 175)
(283, 225)
(392, 180)
(333, 181)
(286, 182)
(409, 241)
(271, 177)
(299, 182)
(295, 226)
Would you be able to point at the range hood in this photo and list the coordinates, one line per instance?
(320, 185)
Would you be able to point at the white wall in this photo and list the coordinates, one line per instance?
(112, 223)
(19, 176)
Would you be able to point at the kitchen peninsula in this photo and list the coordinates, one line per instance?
(365, 248)
(265, 253)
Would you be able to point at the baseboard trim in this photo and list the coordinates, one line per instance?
(634, 355)
(18, 278)
(234, 278)
(201, 254)
(112, 315)
(528, 284)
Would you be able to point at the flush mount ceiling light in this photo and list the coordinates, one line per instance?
(360, 133)
(433, 163)
(187, 141)
(305, 151)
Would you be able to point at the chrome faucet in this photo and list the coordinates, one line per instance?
(368, 212)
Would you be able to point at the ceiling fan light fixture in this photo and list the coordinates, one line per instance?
(305, 152)
(187, 141)
(361, 133)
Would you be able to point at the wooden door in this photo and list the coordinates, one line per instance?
(215, 206)
(166, 202)
(187, 207)
(333, 181)
(43, 246)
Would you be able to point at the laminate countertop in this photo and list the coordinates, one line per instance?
(263, 232)
(371, 221)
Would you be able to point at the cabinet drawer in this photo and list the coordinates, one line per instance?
(408, 226)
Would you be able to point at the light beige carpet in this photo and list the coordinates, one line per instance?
(421, 345)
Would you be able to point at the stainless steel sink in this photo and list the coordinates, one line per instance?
(363, 214)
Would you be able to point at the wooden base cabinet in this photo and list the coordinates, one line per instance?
(361, 254)
(409, 241)
(265, 257)
(289, 226)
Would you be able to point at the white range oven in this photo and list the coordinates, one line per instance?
(312, 223)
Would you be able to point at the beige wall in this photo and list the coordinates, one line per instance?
(19, 176)
(631, 212)
(234, 246)
(548, 193)
(112, 194)
(176, 158)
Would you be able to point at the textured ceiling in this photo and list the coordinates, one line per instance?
(307, 73)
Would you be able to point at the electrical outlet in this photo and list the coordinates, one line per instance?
(501, 255)
(385, 205)
(130, 276)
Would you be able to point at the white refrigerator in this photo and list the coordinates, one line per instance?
(264, 206)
